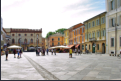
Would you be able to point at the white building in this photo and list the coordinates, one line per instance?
(113, 22)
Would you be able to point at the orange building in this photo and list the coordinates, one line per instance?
(77, 36)
(56, 40)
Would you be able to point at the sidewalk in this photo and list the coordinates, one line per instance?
(18, 69)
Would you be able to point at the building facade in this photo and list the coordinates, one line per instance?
(56, 40)
(113, 26)
(25, 37)
(95, 34)
(66, 37)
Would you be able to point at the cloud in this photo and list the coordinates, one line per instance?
(49, 15)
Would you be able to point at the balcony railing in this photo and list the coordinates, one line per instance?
(92, 39)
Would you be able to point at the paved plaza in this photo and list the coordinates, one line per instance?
(61, 67)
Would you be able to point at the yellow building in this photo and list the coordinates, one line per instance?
(66, 37)
(95, 34)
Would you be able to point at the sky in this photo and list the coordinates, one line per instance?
(49, 15)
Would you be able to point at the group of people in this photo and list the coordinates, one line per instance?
(53, 51)
(77, 51)
(19, 52)
(38, 52)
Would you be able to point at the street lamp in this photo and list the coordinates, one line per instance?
(37, 41)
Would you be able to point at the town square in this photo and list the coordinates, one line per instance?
(61, 40)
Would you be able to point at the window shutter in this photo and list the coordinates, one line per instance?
(114, 4)
(92, 23)
(94, 34)
(114, 22)
(110, 23)
(88, 36)
(88, 25)
(99, 34)
(101, 20)
(109, 7)
(118, 2)
(104, 32)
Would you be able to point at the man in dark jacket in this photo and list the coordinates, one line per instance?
(36, 52)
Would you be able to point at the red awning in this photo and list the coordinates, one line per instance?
(77, 46)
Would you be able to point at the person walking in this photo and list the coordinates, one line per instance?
(44, 52)
(6, 52)
(55, 51)
(70, 53)
(75, 51)
(20, 53)
(79, 51)
(52, 51)
(14, 51)
(36, 52)
(47, 51)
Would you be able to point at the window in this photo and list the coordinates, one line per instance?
(112, 42)
(98, 47)
(103, 20)
(97, 22)
(82, 47)
(112, 21)
(82, 30)
(12, 34)
(93, 24)
(25, 35)
(52, 39)
(82, 38)
(86, 26)
(58, 39)
(52, 44)
(25, 40)
(58, 43)
(89, 26)
(19, 34)
(31, 40)
(89, 47)
(120, 41)
(31, 34)
(13, 41)
(98, 33)
(103, 32)
(111, 5)
(76, 32)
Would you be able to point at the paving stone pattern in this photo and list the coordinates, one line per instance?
(80, 67)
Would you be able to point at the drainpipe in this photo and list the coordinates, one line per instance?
(116, 34)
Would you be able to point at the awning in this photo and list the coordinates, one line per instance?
(77, 46)
(70, 46)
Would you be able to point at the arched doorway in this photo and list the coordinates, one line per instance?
(93, 48)
(103, 48)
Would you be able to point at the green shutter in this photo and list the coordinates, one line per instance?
(101, 20)
(99, 34)
(104, 32)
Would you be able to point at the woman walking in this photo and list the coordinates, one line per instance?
(6, 52)
(14, 51)
(20, 53)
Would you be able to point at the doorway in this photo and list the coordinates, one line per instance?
(103, 48)
(93, 48)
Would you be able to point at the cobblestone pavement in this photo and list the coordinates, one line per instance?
(80, 67)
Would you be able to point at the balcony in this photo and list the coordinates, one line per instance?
(92, 39)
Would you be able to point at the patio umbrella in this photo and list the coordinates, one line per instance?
(14, 47)
(66, 47)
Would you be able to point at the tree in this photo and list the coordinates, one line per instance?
(60, 30)
(49, 34)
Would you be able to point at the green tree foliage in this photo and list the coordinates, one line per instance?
(57, 31)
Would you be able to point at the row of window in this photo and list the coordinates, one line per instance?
(24, 34)
(75, 39)
(58, 44)
(103, 33)
(25, 41)
(112, 21)
(113, 5)
(53, 39)
(76, 32)
(97, 23)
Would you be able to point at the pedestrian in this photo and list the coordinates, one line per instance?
(14, 51)
(70, 53)
(36, 52)
(44, 52)
(52, 51)
(6, 52)
(20, 53)
(75, 51)
(55, 51)
(79, 51)
(47, 51)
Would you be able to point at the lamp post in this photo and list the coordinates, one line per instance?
(37, 41)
